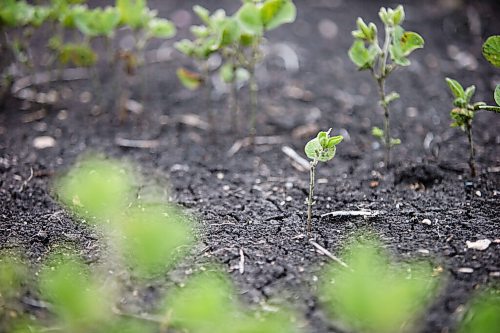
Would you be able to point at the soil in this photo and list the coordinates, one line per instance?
(255, 199)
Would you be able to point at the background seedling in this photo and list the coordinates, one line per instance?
(367, 54)
(376, 295)
(320, 149)
(464, 111)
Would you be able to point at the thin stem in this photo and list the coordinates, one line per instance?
(233, 104)
(312, 174)
(380, 78)
(254, 88)
(208, 97)
(472, 163)
(387, 134)
(489, 108)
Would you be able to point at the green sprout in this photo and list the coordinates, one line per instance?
(367, 54)
(375, 295)
(465, 110)
(482, 315)
(320, 149)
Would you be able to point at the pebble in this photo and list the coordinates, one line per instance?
(466, 270)
(220, 175)
(480, 245)
(423, 251)
(478, 193)
(426, 221)
(43, 142)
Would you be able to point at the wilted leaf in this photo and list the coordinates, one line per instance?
(190, 80)
(491, 50)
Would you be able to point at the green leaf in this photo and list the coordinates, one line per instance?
(133, 13)
(391, 98)
(410, 41)
(97, 22)
(491, 50)
(277, 12)
(190, 80)
(469, 93)
(250, 19)
(456, 88)
(398, 15)
(378, 132)
(322, 147)
(205, 304)
(80, 55)
(202, 13)
(161, 28)
(185, 46)
(230, 32)
(395, 142)
(78, 300)
(482, 315)
(496, 95)
(362, 56)
(353, 295)
(152, 237)
(96, 188)
(227, 73)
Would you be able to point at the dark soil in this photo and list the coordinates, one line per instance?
(255, 200)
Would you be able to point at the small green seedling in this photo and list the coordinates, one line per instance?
(465, 110)
(320, 149)
(367, 54)
(375, 295)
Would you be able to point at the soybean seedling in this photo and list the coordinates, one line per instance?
(464, 111)
(209, 38)
(320, 149)
(367, 54)
(255, 17)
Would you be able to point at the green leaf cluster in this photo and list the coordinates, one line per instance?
(323, 147)
(206, 304)
(366, 52)
(491, 50)
(375, 295)
(482, 315)
(232, 36)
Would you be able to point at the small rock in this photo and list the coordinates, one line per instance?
(478, 193)
(465, 270)
(43, 142)
(374, 183)
(423, 251)
(480, 245)
(220, 175)
(495, 274)
(426, 221)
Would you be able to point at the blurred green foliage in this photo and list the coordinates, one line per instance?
(375, 295)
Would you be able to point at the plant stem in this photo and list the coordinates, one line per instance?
(208, 97)
(233, 104)
(381, 89)
(254, 88)
(387, 133)
(472, 163)
(312, 174)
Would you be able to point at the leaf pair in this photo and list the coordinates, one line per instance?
(255, 18)
(322, 147)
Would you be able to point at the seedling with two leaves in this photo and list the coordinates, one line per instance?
(367, 54)
(465, 110)
(320, 149)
